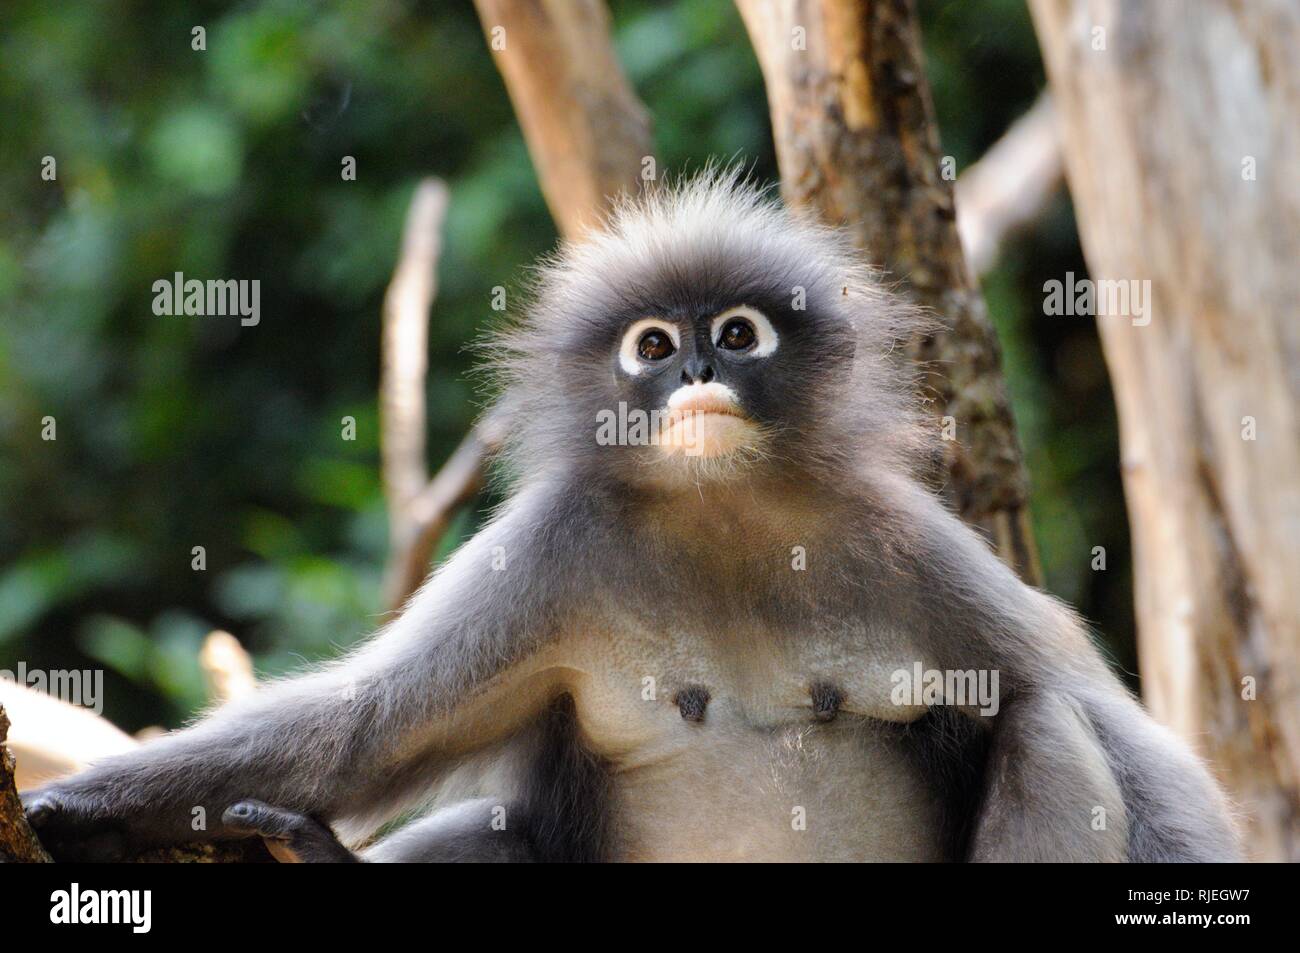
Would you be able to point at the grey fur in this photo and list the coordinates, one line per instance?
(605, 540)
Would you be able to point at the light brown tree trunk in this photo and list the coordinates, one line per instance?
(587, 132)
(857, 142)
(1181, 126)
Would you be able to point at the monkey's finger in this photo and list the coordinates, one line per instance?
(256, 817)
(51, 808)
(41, 808)
(291, 837)
(70, 828)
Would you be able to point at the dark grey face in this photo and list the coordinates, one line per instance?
(735, 349)
(747, 346)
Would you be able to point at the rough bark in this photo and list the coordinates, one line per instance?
(857, 143)
(1160, 128)
(586, 130)
(18, 843)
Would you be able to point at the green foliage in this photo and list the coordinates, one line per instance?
(175, 432)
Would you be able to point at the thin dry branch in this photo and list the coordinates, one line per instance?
(227, 668)
(455, 486)
(1010, 185)
(405, 348)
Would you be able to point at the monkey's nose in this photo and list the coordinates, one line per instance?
(694, 374)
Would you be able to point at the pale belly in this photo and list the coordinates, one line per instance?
(842, 791)
(756, 776)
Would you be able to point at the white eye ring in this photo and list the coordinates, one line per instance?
(628, 358)
(767, 338)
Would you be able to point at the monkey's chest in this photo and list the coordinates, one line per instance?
(760, 754)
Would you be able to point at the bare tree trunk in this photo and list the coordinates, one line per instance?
(586, 130)
(1181, 126)
(857, 142)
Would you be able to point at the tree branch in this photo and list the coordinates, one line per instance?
(227, 668)
(405, 356)
(432, 511)
(1182, 169)
(1010, 185)
(18, 843)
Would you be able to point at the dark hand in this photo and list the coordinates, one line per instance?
(74, 826)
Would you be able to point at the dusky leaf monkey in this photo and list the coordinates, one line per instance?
(684, 633)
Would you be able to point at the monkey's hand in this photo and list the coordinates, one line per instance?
(291, 837)
(74, 826)
(174, 790)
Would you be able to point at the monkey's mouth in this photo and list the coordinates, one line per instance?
(705, 420)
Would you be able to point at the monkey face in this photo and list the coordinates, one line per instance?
(705, 335)
(696, 374)
(728, 376)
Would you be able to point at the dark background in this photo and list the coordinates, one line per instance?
(182, 431)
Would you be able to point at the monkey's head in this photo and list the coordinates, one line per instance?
(707, 334)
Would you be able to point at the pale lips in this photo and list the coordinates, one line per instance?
(702, 399)
(704, 420)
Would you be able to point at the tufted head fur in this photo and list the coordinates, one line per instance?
(819, 384)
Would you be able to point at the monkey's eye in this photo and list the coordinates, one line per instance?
(746, 331)
(737, 335)
(647, 342)
(655, 345)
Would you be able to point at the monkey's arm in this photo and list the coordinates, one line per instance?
(1077, 770)
(1078, 774)
(461, 668)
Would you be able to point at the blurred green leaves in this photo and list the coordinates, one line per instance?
(258, 61)
(198, 149)
(164, 658)
(38, 582)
